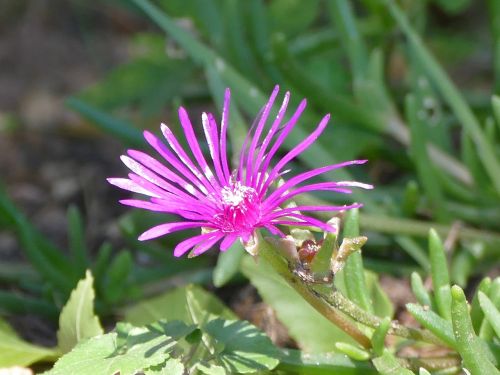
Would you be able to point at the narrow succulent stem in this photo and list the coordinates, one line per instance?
(340, 302)
(334, 305)
(271, 256)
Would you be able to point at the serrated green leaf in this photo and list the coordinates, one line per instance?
(470, 347)
(101, 355)
(314, 334)
(245, 348)
(172, 366)
(77, 320)
(128, 351)
(211, 369)
(228, 264)
(173, 305)
(14, 351)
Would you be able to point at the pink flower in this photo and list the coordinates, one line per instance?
(228, 205)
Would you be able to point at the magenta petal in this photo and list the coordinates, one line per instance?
(207, 244)
(228, 241)
(166, 228)
(302, 146)
(132, 186)
(186, 245)
(258, 132)
(223, 134)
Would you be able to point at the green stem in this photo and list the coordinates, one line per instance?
(333, 305)
(271, 256)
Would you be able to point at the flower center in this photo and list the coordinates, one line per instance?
(240, 209)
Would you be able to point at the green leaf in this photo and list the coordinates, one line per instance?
(117, 285)
(378, 337)
(352, 351)
(470, 347)
(14, 351)
(228, 264)
(172, 366)
(292, 16)
(116, 127)
(345, 22)
(490, 312)
(382, 305)
(419, 290)
(76, 234)
(245, 348)
(442, 328)
(387, 364)
(174, 305)
(210, 369)
(495, 103)
(127, 351)
(439, 274)
(312, 331)
(322, 261)
(353, 271)
(297, 362)
(476, 313)
(77, 320)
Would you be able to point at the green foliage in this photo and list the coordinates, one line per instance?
(190, 303)
(14, 351)
(77, 321)
(309, 328)
(163, 347)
